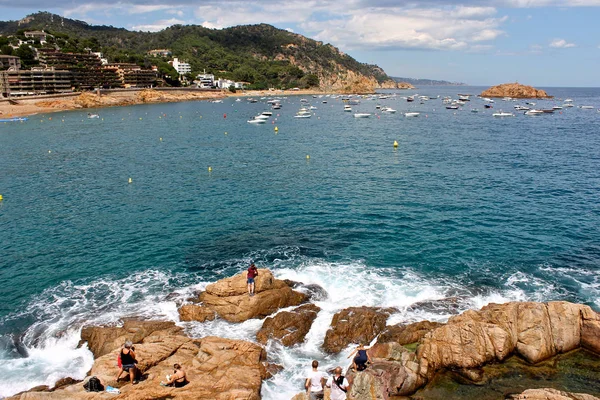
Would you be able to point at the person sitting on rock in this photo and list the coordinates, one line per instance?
(315, 382)
(178, 379)
(362, 357)
(338, 384)
(128, 362)
(252, 273)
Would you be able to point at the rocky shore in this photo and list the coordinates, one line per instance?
(516, 91)
(407, 359)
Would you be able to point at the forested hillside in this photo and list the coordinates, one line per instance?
(259, 54)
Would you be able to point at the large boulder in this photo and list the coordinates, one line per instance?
(551, 394)
(103, 339)
(230, 300)
(355, 325)
(289, 327)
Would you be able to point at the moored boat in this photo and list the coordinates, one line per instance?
(534, 112)
(362, 115)
(411, 114)
(503, 114)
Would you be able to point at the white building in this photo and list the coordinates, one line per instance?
(101, 57)
(206, 80)
(182, 68)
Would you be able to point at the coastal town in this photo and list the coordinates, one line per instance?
(58, 71)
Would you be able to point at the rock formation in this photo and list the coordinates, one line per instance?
(229, 299)
(534, 331)
(407, 334)
(515, 90)
(289, 327)
(355, 325)
(217, 368)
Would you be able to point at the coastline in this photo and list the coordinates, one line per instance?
(27, 106)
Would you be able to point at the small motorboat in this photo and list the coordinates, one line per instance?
(534, 112)
(452, 107)
(362, 115)
(302, 116)
(257, 121)
(521, 108)
(474, 110)
(266, 113)
(276, 106)
(388, 110)
(411, 114)
(488, 106)
(587, 107)
(92, 116)
(503, 114)
(557, 108)
(347, 108)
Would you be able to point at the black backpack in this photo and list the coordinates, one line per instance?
(93, 385)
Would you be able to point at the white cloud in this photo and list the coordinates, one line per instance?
(561, 44)
(158, 25)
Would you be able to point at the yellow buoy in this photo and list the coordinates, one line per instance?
(395, 143)
(307, 157)
(226, 133)
(209, 169)
(140, 118)
(276, 129)
(160, 139)
(0, 197)
(130, 180)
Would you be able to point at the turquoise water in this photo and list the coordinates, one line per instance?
(468, 205)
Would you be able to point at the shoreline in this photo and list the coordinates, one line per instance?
(70, 101)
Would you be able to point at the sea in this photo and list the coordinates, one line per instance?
(131, 213)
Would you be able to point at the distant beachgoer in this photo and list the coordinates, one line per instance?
(361, 359)
(338, 384)
(314, 382)
(128, 362)
(252, 273)
(178, 379)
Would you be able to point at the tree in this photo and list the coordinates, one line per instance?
(25, 52)
(6, 50)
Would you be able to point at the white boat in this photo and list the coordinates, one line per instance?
(521, 108)
(347, 108)
(534, 112)
(568, 105)
(302, 116)
(388, 110)
(263, 117)
(587, 107)
(238, 99)
(92, 116)
(266, 113)
(568, 100)
(557, 108)
(362, 115)
(312, 108)
(411, 114)
(464, 97)
(257, 121)
(217, 101)
(503, 114)
(276, 106)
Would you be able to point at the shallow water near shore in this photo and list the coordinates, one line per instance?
(468, 206)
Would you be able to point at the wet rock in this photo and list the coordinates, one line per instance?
(407, 334)
(448, 305)
(230, 300)
(193, 312)
(355, 325)
(65, 382)
(315, 292)
(289, 327)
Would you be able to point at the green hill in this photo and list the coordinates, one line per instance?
(260, 54)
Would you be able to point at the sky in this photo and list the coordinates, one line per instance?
(536, 42)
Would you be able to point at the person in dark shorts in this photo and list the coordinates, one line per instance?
(128, 362)
(252, 273)
(178, 379)
(361, 359)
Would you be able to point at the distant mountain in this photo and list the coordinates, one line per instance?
(427, 82)
(259, 54)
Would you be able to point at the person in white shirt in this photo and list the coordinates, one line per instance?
(338, 384)
(315, 381)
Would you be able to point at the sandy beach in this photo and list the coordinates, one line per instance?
(30, 106)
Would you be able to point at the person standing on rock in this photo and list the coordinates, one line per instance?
(315, 382)
(128, 362)
(252, 273)
(338, 384)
